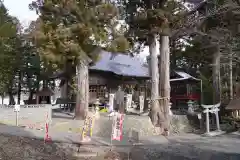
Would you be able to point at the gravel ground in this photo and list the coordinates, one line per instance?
(191, 147)
(216, 148)
(22, 148)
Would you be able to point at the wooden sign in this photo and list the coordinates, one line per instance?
(117, 127)
(16, 108)
(87, 128)
(199, 116)
(141, 103)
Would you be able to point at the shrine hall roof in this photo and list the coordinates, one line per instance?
(234, 104)
(120, 64)
(126, 65)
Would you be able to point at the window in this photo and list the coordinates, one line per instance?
(99, 90)
(92, 89)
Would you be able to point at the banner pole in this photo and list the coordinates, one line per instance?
(112, 132)
(16, 118)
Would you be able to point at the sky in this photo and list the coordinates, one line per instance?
(19, 9)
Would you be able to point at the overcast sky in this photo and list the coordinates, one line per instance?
(19, 9)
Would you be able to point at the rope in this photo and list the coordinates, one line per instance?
(159, 98)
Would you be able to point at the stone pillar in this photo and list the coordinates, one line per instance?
(141, 103)
(216, 109)
(217, 121)
(129, 102)
(207, 118)
(111, 102)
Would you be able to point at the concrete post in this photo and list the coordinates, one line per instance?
(216, 110)
(217, 121)
(207, 120)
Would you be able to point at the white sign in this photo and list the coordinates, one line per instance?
(199, 116)
(111, 101)
(141, 103)
(170, 111)
(117, 127)
(16, 108)
(129, 101)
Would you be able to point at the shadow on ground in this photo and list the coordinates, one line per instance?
(25, 147)
(217, 148)
(59, 113)
(18, 144)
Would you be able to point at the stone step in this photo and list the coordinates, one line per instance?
(85, 154)
(85, 151)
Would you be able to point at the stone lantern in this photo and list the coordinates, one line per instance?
(97, 103)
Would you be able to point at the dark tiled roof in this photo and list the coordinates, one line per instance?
(120, 64)
(125, 65)
(234, 104)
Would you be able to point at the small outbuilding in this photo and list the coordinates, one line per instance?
(44, 96)
(234, 106)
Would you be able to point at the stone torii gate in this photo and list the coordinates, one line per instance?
(212, 109)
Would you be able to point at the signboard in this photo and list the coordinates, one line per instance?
(111, 101)
(199, 116)
(117, 127)
(16, 108)
(141, 103)
(129, 101)
(87, 128)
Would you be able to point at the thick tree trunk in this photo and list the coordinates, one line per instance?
(155, 112)
(11, 98)
(216, 76)
(45, 83)
(230, 77)
(30, 97)
(164, 82)
(64, 88)
(10, 94)
(19, 87)
(173, 64)
(82, 90)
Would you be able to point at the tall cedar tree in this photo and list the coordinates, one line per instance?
(9, 52)
(147, 20)
(71, 30)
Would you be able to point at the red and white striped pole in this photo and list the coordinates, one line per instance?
(47, 138)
